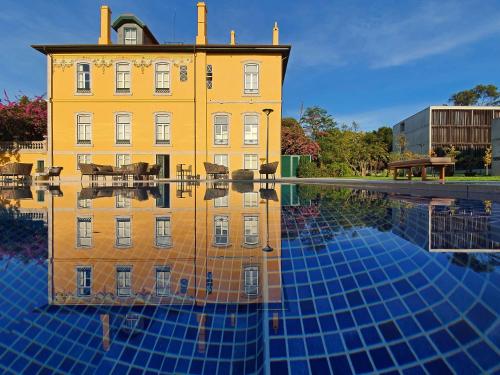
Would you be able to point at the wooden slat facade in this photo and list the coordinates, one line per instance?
(463, 128)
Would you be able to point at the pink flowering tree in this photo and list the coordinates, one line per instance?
(23, 119)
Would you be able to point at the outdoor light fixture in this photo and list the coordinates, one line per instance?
(267, 248)
(267, 111)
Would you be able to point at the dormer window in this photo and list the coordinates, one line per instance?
(130, 35)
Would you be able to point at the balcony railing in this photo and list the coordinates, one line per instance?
(25, 146)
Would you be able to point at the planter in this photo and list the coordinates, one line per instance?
(242, 174)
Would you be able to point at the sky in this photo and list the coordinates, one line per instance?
(373, 62)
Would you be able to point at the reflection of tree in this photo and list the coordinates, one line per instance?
(478, 262)
(21, 238)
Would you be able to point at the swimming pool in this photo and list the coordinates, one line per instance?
(246, 278)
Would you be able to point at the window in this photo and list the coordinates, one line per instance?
(162, 281)
(221, 229)
(122, 159)
(123, 232)
(82, 203)
(84, 281)
(123, 129)
(221, 159)
(251, 230)
(163, 233)
(162, 129)
(183, 73)
(122, 201)
(83, 159)
(83, 78)
(209, 76)
(251, 199)
(221, 130)
(123, 78)
(162, 78)
(40, 195)
(402, 127)
(251, 129)
(250, 161)
(123, 281)
(40, 165)
(84, 232)
(130, 35)
(221, 201)
(251, 78)
(83, 129)
(251, 278)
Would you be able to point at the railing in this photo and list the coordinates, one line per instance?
(25, 146)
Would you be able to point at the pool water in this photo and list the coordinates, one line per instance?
(246, 278)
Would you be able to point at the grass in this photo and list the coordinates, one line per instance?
(457, 178)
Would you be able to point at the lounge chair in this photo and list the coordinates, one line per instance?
(16, 170)
(216, 170)
(153, 170)
(268, 169)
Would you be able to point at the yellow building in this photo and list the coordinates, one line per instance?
(139, 100)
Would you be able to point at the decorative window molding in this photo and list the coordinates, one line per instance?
(162, 77)
(83, 78)
(122, 77)
(142, 63)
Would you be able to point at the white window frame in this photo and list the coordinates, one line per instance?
(162, 77)
(84, 139)
(164, 231)
(121, 130)
(122, 201)
(251, 229)
(246, 161)
(126, 160)
(121, 237)
(165, 280)
(82, 203)
(251, 199)
(251, 135)
(84, 282)
(251, 276)
(130, 39)
(123, 78)
(220, 229)
(224, 136)
(123, 281)
(220, 202)
(218, 159)
(167, 131)
(86, 232)
(81, 77)
(83, 159)
(251, 79)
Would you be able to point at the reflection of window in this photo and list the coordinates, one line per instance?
(123, 78)
(162, 78)
(251, 130)
(84, 232)
(221, 130)
(84, 281)
(123, 129)
(251, 199)
(221, 229)
(83, 203)
(162, 281)
(221, 159)
(83, 77)
(163, 235)
(122, 159)
(130, 35)
(221, 201)
(83, 129)
(210, 282)
(250, 161)
(123, 281)
(162, 128)
(122, 201)
(251, 276)
(123, 231)
(251, 78)
(132, 321)
(251, 230)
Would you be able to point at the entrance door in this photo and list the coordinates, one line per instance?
(164, 162)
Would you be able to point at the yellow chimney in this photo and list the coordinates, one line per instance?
(201, 37)
(276, 34)
(105, 37)
(233, 38)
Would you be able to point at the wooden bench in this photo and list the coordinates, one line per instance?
(437, 162)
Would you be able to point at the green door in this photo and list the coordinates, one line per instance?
(295, 165)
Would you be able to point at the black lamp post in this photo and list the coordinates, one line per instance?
(267, 111)
(268, 247)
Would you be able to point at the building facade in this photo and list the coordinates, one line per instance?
(138, 100)
(437, 127)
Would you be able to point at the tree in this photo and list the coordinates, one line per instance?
(316, 120)
(24, 119)
(480, 95)
(384, 135)
(294, 141)
(487, 158)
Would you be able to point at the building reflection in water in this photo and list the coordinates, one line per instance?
(143, 247)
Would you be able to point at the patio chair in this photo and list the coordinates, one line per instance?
(17, 170)
(54, 172)
(268, 169)
(216, 170)
(153, 171)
